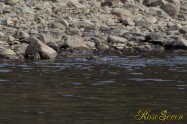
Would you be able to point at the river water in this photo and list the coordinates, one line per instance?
(102, 90)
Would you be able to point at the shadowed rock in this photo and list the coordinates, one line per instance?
(38, 47)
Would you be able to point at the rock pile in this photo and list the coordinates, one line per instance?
(40, 29)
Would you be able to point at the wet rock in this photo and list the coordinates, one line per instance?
(91, 45)
(77, 24)
(7, 53)
(37, 47)
(177, 43)
(144, 48)
(119, 46)
(157, 38)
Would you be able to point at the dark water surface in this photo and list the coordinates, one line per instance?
(105, 90)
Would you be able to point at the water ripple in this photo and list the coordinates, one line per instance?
(150, 79)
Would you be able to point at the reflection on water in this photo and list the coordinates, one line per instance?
(102, 90)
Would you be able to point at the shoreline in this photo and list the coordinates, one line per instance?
(47, 29)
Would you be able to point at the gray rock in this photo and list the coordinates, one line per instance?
(183, 30)
(115, 32)
(116, 39)
(73, 31)
(178, 43)
(37, 47)
(151, 19)
(12, 2)
(144, 48)
(119, 45)
(73, 3)
(155, 11)
(157, 38)
(83, 23)
(7, 38)
(64, 22)
(1, 34)
(121, 12)
(128, 21)
(25, 10)
(112, 3)
(20, 34)
(153, 2)
(172, 8)
(20, 49)
(7, 53)
(57, 25)
(174, 27)
(44, 38)
(53, 45)
(3, 44)
(91, 45)
(29, 39)
(2, 5)
(8, 21)
(75, 41)
(134, 7)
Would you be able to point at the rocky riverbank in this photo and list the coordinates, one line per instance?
(42, 29)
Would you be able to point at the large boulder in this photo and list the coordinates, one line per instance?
(37, 47)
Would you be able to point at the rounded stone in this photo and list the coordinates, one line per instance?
(7, 53)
